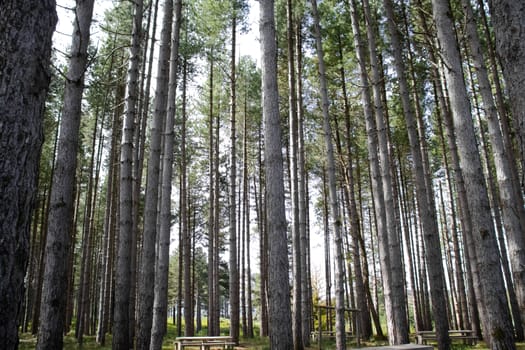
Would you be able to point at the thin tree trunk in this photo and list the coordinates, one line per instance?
(83, 294)
(334, 207)
(233, 260)
(109, 223)
(294, 184)
(189, 327)
(306, 298)
(216, 217)
(364, 321)
(212, 295)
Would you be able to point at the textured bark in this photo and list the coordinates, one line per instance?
(109, 224)
(146, 274)
(83, 305)
(294, 184)
(510, 198)
(425, 195)
(232, 210)
(364, 322)
(496, 317)
(26, 28)
(50, 332)
(124, 286)
(188, 261)
(160, 304)
(375, 174)
(216, 218)
(212, 295)
(260, 209)
(449, 140)
(384, 202)
(508, 18)
(335, 216)
(306, 290)
(278, 284)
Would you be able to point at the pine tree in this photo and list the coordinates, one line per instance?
(26, 28)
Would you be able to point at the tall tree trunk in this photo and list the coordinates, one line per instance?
(425, 195)
(510, 197)
(146, 274)
(122, 318)
(189, 327)
(394, 297)
(306, 297)
(160, 303)
(336, 219)
(260, 209)
(51, 324)
(496, 317)
(465, 218)
(26, 28)
(364, 320)
(212, 295)
(495, 194)
(216, 218)
(234, 272)
(109, 222)
(83, 304)
(508, 18)
(294, 184)
(278, 285)
(397, 321)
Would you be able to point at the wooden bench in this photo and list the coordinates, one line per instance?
(204, 343)
(466, 335)
(327, 334)
(402, 347)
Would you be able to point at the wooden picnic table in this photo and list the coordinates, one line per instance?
(467, 335)
(204, 342)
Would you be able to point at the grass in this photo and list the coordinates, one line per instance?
(28, 341)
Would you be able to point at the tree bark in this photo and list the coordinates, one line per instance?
(160, 303)
(508, 18)
(51, 324)
(510, 197)
(496, 317)
(278, 284)
(26, 28)
(294, 184)
(233, 259)
(425, 195)
(336, 219)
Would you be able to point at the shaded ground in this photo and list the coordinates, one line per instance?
(28, 341)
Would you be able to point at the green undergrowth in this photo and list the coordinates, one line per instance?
(28, 341)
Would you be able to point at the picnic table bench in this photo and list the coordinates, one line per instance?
(402, 347)
(204, 342)
(327, 334)
(466, 335)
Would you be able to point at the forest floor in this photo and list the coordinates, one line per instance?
(28, 341)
